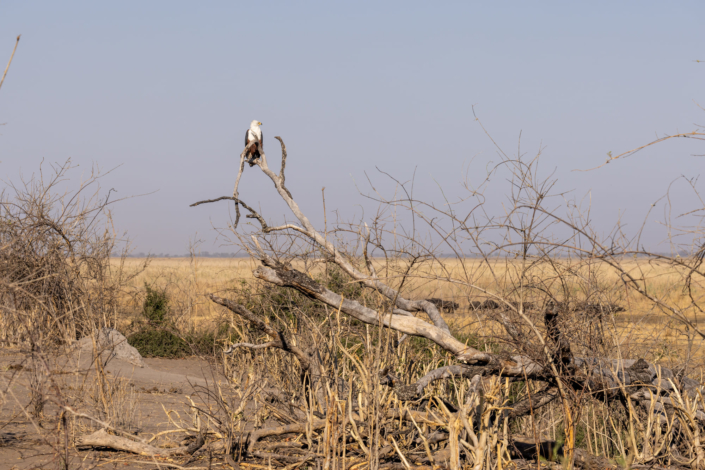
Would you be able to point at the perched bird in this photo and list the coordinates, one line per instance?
(254, 133)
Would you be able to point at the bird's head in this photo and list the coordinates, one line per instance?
(254, 124)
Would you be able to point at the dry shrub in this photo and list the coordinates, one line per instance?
(113, 401)
(56, 280)
(541, 370)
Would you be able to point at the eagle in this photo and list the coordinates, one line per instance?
(254, 133)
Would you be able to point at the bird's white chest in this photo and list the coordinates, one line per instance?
(255, 134)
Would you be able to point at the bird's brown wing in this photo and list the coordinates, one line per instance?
(261, 142)
(247, 137)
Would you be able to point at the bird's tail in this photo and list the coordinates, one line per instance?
(253, 159)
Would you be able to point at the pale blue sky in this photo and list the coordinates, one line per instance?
(167, 89)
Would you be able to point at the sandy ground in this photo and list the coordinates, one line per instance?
(28, 443)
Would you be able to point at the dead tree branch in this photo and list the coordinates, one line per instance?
(368, 281)
(10, 61)
(101, 438)
(276, 274)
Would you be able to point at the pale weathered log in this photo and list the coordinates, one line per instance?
(101, 438)
(280, 276)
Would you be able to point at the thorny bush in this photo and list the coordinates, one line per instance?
(57, 282)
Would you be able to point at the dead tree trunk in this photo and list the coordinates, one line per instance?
(554, 361)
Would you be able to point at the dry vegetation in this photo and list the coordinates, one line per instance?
(640, 330)
(358, 345)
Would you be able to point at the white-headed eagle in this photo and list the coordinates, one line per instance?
(254, 133)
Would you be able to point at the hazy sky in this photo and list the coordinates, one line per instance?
(167, 89)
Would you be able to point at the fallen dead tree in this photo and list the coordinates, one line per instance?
(101, 438)
(553, 350)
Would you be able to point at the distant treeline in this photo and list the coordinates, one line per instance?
(202, 254)
(207, 254)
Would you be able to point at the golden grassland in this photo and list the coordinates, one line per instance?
(643, 328)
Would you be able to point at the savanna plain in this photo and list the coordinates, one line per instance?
(641, 328)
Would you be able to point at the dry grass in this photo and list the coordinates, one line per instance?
(186, 281)
(641, 330)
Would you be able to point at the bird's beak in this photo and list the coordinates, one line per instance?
(260, 123)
